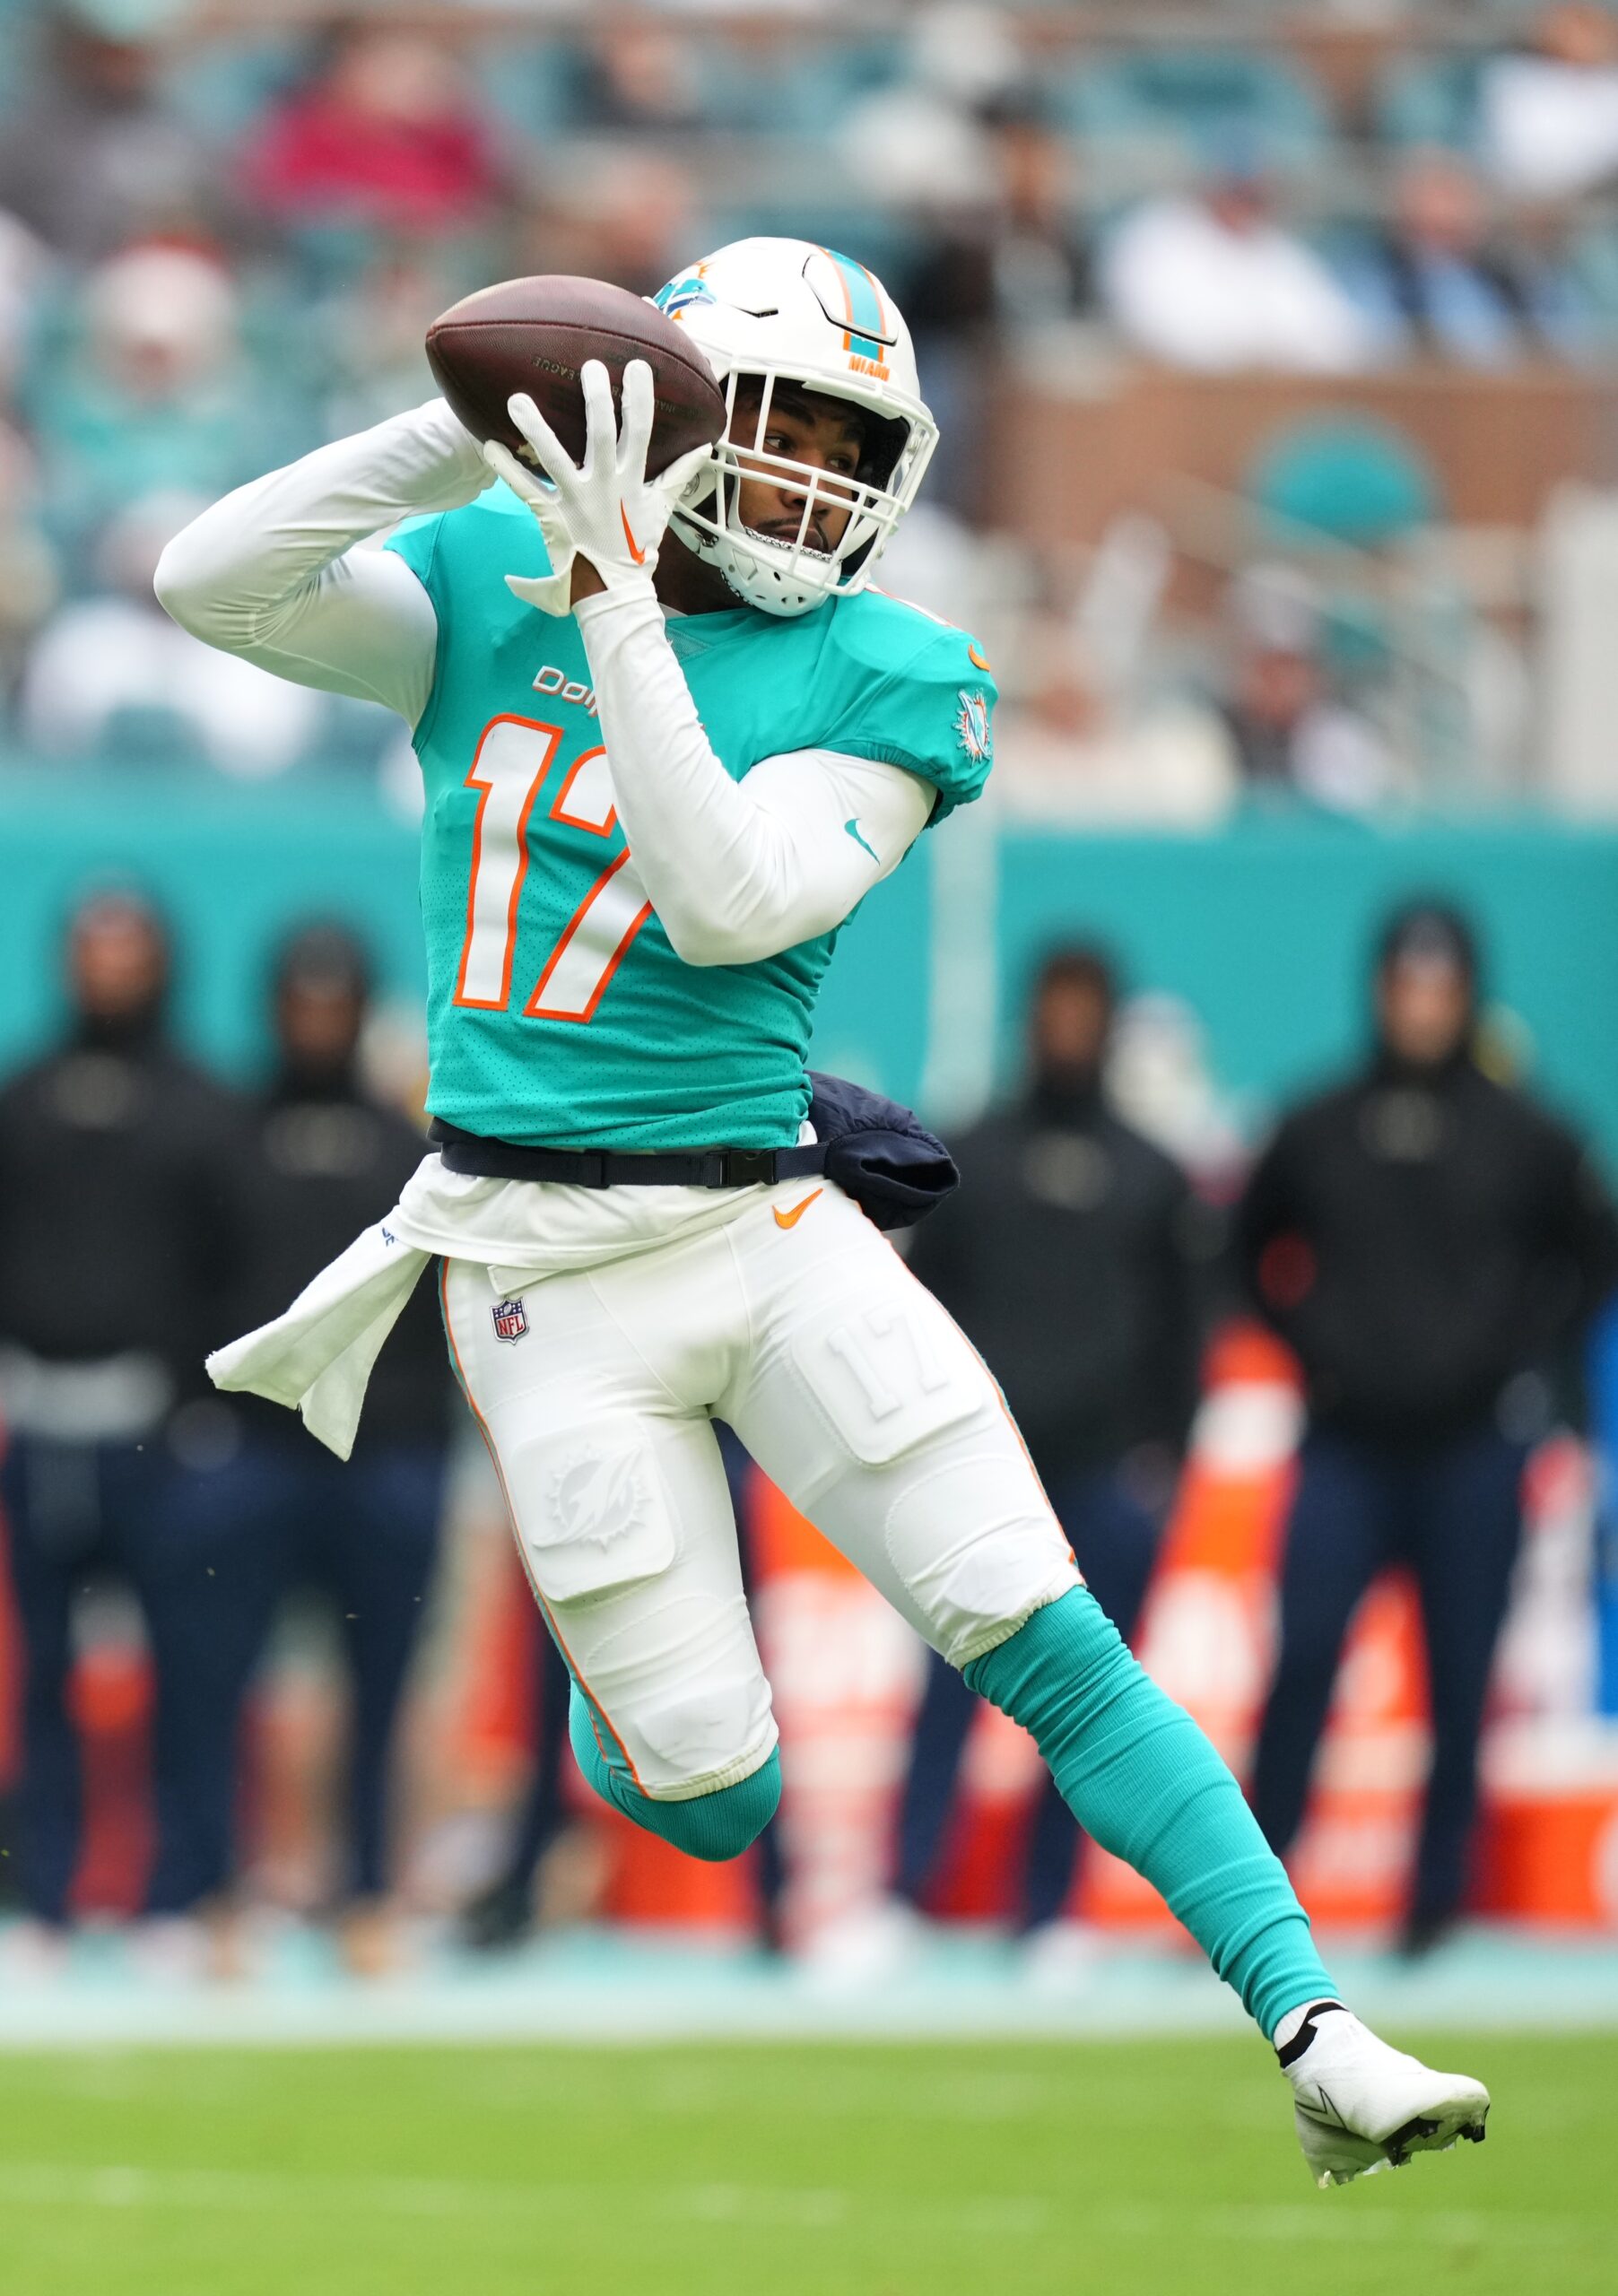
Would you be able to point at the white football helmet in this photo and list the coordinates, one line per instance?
(787, 311)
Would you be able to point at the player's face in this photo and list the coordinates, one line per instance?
(805, 427)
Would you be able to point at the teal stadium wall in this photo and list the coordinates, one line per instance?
(1263, 929)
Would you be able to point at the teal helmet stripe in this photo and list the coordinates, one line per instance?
(866, 319)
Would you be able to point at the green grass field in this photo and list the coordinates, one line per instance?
(1158, 2170)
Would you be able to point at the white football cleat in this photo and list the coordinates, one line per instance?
(1361, 2106)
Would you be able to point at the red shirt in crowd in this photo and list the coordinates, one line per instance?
(318, 152)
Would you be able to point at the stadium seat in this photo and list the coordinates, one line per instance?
(1186, 104)
(223, 86)
(1348, 475)
(533, 85)
(1430, 99)
(792, 87)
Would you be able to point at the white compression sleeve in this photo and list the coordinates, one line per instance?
(272, 573)
(735, 870)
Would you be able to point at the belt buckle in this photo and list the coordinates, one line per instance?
(746, 1168)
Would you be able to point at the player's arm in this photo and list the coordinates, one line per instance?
(735, 870)
(274, 572)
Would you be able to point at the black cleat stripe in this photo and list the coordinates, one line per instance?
(1305, 2033)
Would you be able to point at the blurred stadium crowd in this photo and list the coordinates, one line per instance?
(223, 233)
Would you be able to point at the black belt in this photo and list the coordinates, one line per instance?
(508, 1159)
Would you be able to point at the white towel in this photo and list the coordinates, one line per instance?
(317, 1357)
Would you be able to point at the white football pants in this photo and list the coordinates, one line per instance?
(799, 1325)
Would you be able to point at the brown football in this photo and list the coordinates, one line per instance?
(534, 335)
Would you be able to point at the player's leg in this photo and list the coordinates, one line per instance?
(623, 1524)
(863, 1399)
(866, 1403)
(1117, 1527)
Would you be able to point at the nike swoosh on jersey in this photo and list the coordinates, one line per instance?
(790, 1219)
(853, 829)
(636, 553)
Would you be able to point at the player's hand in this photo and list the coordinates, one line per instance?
(604, 510)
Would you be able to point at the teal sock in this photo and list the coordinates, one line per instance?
(712, 1826)
(1142, 1779)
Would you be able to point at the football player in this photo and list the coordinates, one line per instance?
(671, 736)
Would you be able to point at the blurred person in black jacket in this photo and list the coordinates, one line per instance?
(325, 1157)
(114, 1279)
(1071, 1255)
(1429, 1243)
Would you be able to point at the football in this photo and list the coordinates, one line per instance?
(535, 335)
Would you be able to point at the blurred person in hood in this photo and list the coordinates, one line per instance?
(116, 1276)
(1429, 1243)
(325, 1155)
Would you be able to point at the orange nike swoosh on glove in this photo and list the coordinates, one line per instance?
(790, 1219)
(636, 553)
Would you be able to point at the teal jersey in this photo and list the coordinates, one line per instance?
(558, 1014)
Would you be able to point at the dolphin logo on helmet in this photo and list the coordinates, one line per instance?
(680, 294)
(776, 311)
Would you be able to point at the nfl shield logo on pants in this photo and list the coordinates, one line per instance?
(511, 1319)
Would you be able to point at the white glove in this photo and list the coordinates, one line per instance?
(604, 509)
